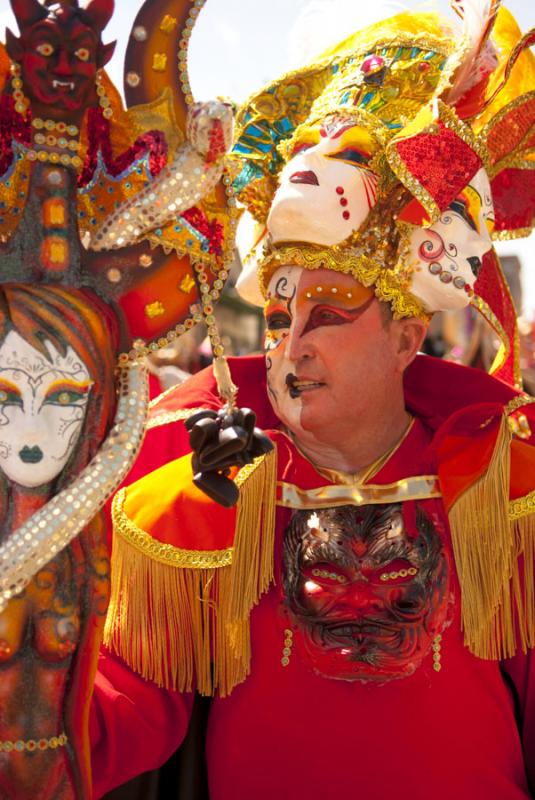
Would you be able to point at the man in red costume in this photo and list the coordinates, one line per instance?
(363, 616)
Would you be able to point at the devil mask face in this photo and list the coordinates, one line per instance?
(367, 598)
(59, 52)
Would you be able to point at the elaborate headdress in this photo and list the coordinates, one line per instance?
(441, 134)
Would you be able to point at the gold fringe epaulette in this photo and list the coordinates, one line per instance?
(494, 546)
(180, 618)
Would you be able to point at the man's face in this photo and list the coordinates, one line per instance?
(326, 189)
(448, 256)
(366, 597)
(59, 65)
(329, 354)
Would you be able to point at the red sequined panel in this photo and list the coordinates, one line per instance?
(493, 289)
(12, 127)
(514, 130)
(213, 231)
(442, 163)
(152, 143)
(513, 192)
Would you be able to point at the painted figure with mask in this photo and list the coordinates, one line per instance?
(365, 612)
(92, 278)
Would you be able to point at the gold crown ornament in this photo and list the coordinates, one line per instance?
(397, 157)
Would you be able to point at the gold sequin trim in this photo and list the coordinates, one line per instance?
(518, 402)
(33, 745)
(164, 553)
(337, 258)
(421, 487)
(522, 506)
(517, 233)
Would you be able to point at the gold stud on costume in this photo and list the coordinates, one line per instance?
(103, 99)
(437, 666)
(287, 649)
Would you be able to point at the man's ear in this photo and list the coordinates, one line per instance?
(14, 46)
(410, 334)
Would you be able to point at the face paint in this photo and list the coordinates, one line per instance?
(327, 350)
(42, 410)
(448, 255)
(326, 189)
(367, 599)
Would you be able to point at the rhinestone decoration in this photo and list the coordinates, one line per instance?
(55, 525)
(133, 79)
(372, 64)
(177, 188)
(139, 33)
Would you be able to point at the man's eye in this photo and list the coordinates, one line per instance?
(322, 316)
(278, 321)
(64, 397)
(8, 398)
(352, 156)
(82, 53)
(45, 49)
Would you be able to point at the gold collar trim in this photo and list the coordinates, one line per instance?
(420, 487)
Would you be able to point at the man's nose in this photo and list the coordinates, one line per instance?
(297, 345)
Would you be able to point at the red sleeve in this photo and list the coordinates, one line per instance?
(521, 671)
(134, 725)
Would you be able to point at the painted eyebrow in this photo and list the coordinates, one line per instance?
(9, 386)
(66, 383)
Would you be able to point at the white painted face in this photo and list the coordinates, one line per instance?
(42, 409)
(326, 189)
(447, 256)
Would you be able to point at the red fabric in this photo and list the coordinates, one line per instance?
(513, 192)
(288, 733)
(134, 726)
(492, 288)
(441, 162)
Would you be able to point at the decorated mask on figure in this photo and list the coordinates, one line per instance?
(59, 53)
(51, 383)
(366, 597)
(396, 158)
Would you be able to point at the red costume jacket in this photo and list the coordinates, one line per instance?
(276, 610)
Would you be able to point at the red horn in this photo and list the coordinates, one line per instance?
(99, 13)
(27, 12)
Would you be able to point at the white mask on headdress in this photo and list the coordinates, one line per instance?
(447, 257)
(326, 190)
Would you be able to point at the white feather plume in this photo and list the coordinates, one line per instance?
(480, 55)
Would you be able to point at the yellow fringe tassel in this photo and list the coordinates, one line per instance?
(187, 628)
(496, 591)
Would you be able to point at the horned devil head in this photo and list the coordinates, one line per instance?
(59, 52)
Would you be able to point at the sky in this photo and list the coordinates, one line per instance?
(239, 45)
